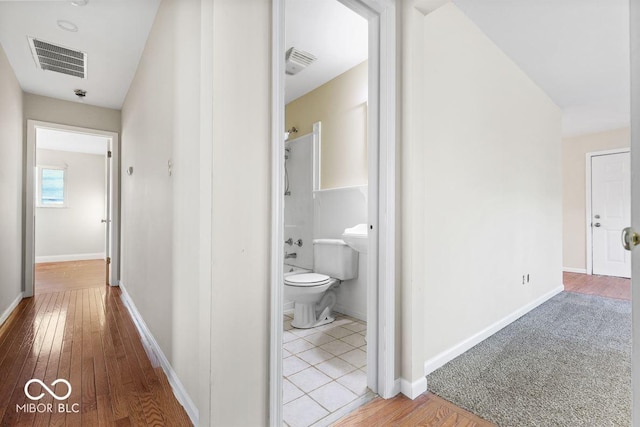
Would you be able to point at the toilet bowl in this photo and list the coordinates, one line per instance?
(313, 298)
(314, 293)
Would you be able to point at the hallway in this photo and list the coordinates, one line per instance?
(87, 337)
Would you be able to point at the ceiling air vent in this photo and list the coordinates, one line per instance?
(51, 57)
(297, 60)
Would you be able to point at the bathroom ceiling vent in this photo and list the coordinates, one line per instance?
(51, 57)
(297, 60)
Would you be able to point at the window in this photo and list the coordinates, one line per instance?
(52, 187)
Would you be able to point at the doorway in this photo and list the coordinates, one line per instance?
(608, 212)
(71, 237)
(381, 152)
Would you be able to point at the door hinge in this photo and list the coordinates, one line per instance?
(109, 154)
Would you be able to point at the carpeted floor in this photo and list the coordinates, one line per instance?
(566, 363)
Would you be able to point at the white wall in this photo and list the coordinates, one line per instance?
(241, 219)
(74, 231)
(11, 149)
(43, 108)
(482, 200)
(161, 200)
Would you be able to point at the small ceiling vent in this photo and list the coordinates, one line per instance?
(51, 57)
(297, 60)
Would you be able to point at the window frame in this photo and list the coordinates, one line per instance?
(65, 180)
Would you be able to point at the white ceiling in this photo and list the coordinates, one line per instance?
(50, 139)
(335, 34)
(577, 51)
(112, 32)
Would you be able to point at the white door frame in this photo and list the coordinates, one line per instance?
(381, 15)
(30, 165)
(588, 212)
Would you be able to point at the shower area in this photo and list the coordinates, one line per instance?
(301, 179)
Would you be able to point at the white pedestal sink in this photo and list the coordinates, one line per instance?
(357, 237)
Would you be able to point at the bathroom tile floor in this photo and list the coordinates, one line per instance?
(324, 368)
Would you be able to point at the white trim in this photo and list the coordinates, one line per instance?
(317, 147)
(588, 213)
(150, 343)
(413, 389)
(574, 270)
(69, 257)
(397, 386)
(30, 165)
(5, 315)
(277, 211)
(455, 351)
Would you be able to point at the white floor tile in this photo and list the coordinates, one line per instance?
(315, 356)
(335, 367)
(309, 379)
(356, 327)
(355, 340)
(357, 357)
(333, 396)
(338, 332)
(303, 412)
(355, 381)
(288, 336)
(304, 332)
(285, 353)
(298, 346)
(292, 364)
(290, 392)
(319, 338)
(337, 347)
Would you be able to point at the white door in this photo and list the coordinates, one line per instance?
(610, 213)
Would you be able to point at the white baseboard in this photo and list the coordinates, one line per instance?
(455, 351)
(151, 343)
(5, 314)
(574, 270)
(413, 389)
(288, 307)
(349, 312)
(69, 257)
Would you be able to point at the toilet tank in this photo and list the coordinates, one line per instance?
(334, 258)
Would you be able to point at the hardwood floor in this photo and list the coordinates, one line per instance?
(63, 276)
(426, 410)
(605, 286)
(86, 336)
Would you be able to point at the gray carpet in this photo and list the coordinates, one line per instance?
(566, 363)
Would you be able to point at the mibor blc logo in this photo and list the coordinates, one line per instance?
(48, 407)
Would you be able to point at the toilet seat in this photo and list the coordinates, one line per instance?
(307, 279)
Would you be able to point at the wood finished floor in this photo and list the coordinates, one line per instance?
(426, 410)
(431, 410)
(83, 334)
(604, 286)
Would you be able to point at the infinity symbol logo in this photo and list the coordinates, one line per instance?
(44, 386)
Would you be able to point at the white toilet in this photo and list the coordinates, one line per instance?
(313, 294)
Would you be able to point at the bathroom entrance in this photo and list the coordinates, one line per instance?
(333, 270)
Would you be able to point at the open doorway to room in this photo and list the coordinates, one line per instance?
(334, 208)
(325, 212)
(71, 200)
(71, 243)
